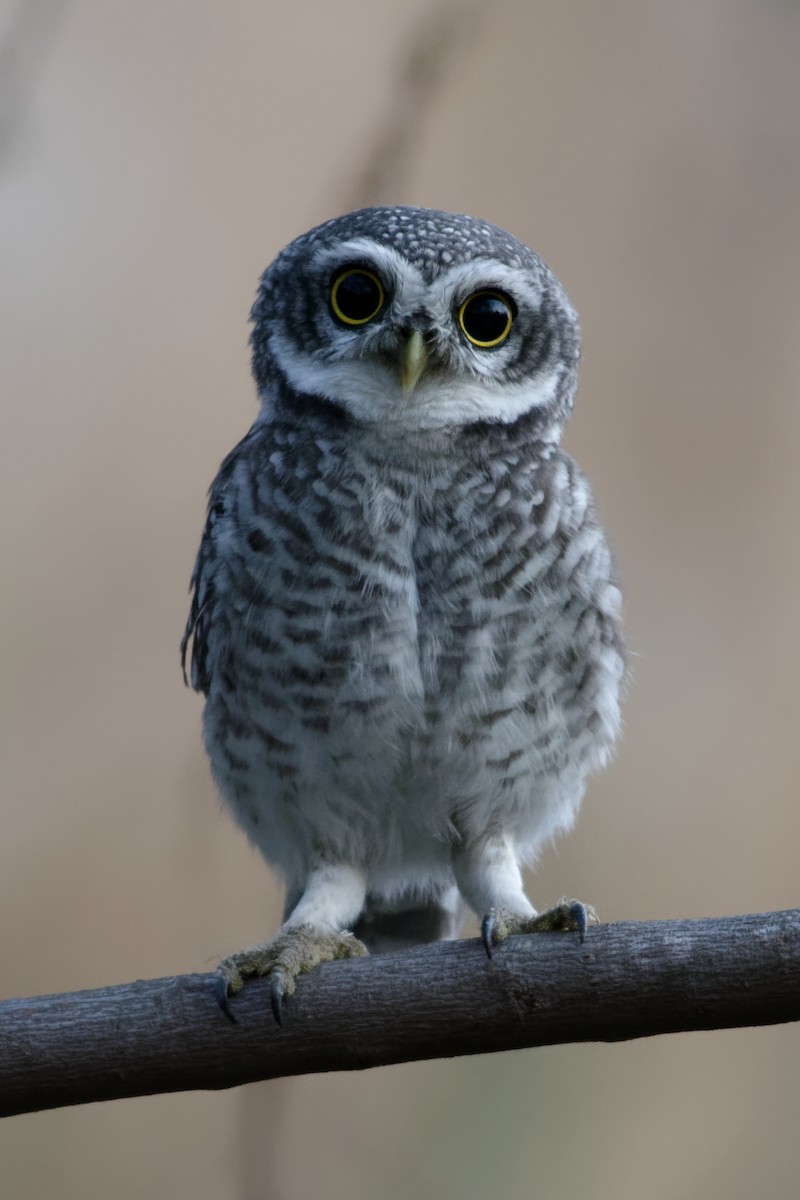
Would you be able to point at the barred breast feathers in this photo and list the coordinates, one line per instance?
(482, 533)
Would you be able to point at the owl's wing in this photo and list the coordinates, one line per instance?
(202, 582)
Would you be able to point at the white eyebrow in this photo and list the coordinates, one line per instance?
(384, 259)
(461, 280)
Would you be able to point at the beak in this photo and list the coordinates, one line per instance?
(413, 361)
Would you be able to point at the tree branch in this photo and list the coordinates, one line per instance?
(625, 981)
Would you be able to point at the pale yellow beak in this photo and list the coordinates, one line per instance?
(413, 361)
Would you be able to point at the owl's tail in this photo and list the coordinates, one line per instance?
(383, 929)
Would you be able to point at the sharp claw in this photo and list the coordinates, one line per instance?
(276, 990)
(487, 933)
(580, 917)
(221, 996)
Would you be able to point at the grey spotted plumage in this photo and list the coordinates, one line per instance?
(404, 618)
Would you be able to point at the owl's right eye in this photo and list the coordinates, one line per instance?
(357, 296)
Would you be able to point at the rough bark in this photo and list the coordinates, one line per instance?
(628, 980)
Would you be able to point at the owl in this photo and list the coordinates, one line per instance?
(404, 616)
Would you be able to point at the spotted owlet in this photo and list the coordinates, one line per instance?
(404, 617)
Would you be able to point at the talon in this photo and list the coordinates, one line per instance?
(487, 933)
(578, 913)
(276, 993)
(221, 996)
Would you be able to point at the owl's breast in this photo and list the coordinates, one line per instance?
(410, 654)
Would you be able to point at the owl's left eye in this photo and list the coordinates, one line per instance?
(357, 296)
(486, 319)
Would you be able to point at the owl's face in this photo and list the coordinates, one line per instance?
(416, 318)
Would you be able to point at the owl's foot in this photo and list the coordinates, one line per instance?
(568, 916)
(296, 949)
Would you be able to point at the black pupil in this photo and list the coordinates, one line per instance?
(358, 296)
(486, 318)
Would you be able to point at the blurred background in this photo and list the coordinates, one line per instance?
(153, 158)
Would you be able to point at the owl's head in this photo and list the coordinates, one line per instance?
(416, 318)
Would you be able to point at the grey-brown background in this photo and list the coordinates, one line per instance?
(154, 158)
